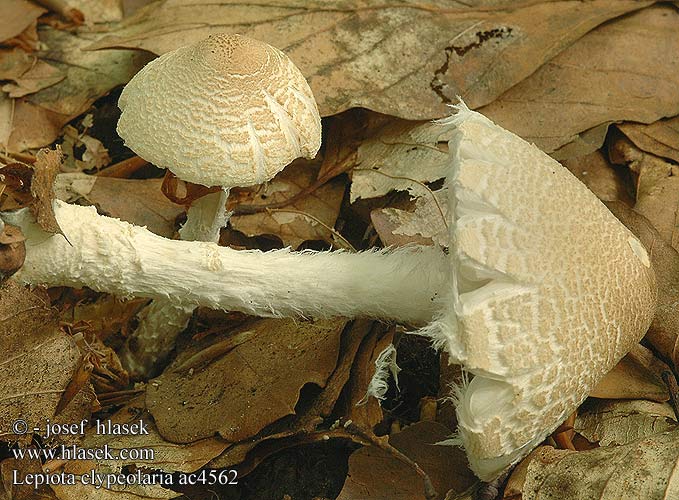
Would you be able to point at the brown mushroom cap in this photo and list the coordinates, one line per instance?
(550, 291)
(227, 111)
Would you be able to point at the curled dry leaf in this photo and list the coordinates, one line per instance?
(247, 382)
(646, 468)
(582, 88)
(407, 59)
(247, 454)
(309, 218)
(614, 423)
(660, 138)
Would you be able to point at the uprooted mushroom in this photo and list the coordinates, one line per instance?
(541, 292)
(227, 111)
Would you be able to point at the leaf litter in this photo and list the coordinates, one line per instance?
(242, 392)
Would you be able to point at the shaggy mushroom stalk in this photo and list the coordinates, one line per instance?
(113, 256)
(162, 321)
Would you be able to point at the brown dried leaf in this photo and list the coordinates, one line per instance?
(17, 15)
(636, 376)
(445, 465)
(168, 456)
(140, 202)
(40, 359)
(295, 223)
(619, 71)
(45, 170)
(249, 387)
(378, 475)
(604, 180)
(249, 453)
(417, 56)
(660, 138)
(614, 423)
(40, 76)
(646, 468)
(14, 471)
(37, 119)
(12, 251)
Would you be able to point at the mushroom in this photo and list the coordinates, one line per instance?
(541, 293)
(227, 111)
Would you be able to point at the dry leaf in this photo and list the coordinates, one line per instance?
(297, 222)
(637, 376)
(140, 202)
(17, 15)
(99, 11)
(604, 180)
(377, 475)
(646, 469)
(614, 423)
(78, 491)
(45, 170)
(40, 76)
(660, 138)
(445, 465)
(12, 469)
(425, 225)
(37, 119)
(657, 187)
(664, 331)
(167, 456)
(619, 71)
(40, 359)
(398, 156)
(584, 143)
(407, 59)
(275, 439)
(253, 384)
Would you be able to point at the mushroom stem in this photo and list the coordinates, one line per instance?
(161, 322)
(112, 256)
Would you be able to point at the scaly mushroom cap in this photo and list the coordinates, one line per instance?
(551, 291)
(227, 111)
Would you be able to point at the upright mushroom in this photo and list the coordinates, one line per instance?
(542, 292)
(227, 111)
